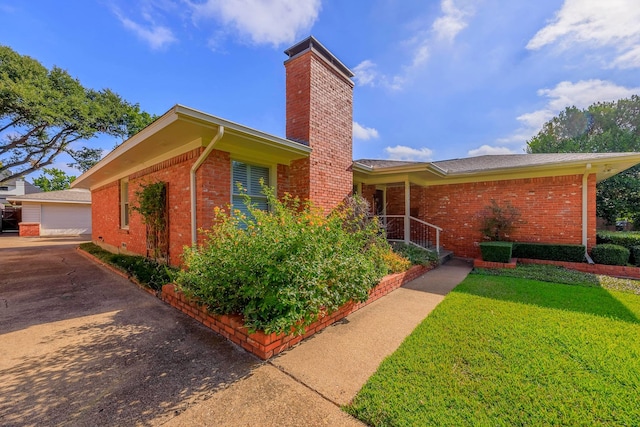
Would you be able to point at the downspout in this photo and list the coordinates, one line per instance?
(192, 185)
(407, 210)
(585, 215)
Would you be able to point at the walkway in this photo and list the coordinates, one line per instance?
(307, 384)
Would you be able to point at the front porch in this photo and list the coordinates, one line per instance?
(401, 213)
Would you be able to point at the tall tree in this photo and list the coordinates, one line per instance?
(53, 179)
(602, 127)
(44, 113)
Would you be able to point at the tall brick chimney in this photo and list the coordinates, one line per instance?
(320, 114)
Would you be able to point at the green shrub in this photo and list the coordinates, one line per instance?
(280, 269)
(553, 252)
(417, 256)
(146, 271)
(635, 255)
(621, 238)
(496, 251)
(628, 239)
(610, 254)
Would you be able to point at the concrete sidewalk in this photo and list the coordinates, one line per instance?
(307, 384)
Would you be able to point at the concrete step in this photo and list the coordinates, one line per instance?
(444, 256)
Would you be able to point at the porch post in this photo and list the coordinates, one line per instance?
(407, 209)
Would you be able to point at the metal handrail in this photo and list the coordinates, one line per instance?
(407, 230)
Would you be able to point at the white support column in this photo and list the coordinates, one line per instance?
(407, 209)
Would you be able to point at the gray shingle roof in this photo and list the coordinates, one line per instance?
(63, 196)
(493, 162)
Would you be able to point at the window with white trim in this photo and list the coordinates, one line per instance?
(249, 177)
(124, 203)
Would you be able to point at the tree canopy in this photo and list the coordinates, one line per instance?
(602, 127)
(44, 112)
(53, 179)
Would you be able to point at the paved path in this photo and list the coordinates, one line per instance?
(82, 346)
(328, 369)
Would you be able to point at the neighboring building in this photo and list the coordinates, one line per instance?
(15, 187)
(200, 157)
(55, 213)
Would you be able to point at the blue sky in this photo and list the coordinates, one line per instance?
(435, 79)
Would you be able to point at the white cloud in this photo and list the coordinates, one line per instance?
(364, 133)
(157, 36)
(566, 94)
(445, 28)
(365, 73)
(489, 150)
(453, 20)
(595, 23)
(263, 21)
(402, 152)
(630, 59)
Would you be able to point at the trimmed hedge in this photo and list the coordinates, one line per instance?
(610, 254)
(548, 251)
(628, 239)
(635, 256)
(621, 238)
(496, 251)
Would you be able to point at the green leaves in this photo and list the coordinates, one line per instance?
(53, 180)
(600, 128)
(44, 113)
(281, 268)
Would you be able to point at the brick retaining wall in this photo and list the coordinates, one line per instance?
(264, 345)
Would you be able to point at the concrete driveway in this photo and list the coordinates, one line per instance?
(82, 346)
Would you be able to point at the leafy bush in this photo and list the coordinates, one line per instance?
(497, 222)
(280, 269)
(496, 251)
(416, 255)
(628, 239)
(554, 252)
(610, 254)
(396, 262)
(144, 270)
(622, 238)
(635, 255)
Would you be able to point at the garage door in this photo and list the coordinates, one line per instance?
(60, 220)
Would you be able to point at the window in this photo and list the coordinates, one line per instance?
(249, 177)
(124, 203)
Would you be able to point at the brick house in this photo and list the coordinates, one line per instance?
(200, 157)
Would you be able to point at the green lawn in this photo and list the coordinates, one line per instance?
(514, 351)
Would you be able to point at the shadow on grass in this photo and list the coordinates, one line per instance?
(590, 300)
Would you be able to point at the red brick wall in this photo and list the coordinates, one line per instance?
(29, 229)
(213, 183)
(320, 113)
(213, 188)
(551, 210)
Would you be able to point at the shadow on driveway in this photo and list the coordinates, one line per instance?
(82, 346)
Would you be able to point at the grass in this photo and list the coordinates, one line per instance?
(505, 350)
(555, 274)
(144, 270)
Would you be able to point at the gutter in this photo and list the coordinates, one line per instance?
(585, 216)
(192, 183)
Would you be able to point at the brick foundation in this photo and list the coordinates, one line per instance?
(264, 345)
(29, 229)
